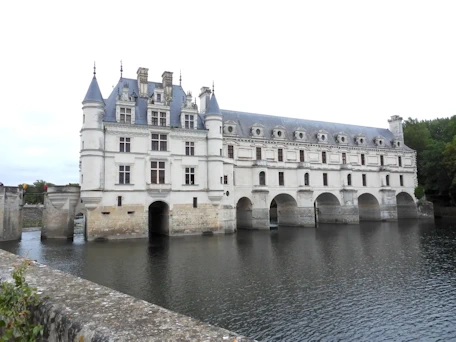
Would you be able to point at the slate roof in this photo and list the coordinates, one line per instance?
(93, 93)
(213, 107)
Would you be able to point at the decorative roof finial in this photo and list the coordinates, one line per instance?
(213, 90)
(94, 69)
(121, 69)
(180, 77)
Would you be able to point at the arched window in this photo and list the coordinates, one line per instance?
(349, 180)
(387, 180)
(306, 178)
(262, 178)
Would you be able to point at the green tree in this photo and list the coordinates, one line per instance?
(449, 161)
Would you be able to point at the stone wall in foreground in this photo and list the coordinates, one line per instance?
(79, 310)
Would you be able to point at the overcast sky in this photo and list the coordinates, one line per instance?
(356, 62)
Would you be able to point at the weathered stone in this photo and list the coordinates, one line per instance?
(10, 213)
(425, 210)
(32, 215)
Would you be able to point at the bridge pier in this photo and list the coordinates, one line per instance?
(11, 201)
(388, 205)
(59, 211)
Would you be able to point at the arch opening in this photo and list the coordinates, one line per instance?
(406, 207)
(158, 218)
(369, 208)
(244, 213)
(283, 211)
(79, 223)
(327, 208)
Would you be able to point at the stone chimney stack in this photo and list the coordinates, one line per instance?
(142, 81)
(204, 96)
(395, 126)
(167, 81)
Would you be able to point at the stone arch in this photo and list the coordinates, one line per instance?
(327, 208)
(244, 213)
(369, 208)
(286, 209)
(158, 218)
(406, 207)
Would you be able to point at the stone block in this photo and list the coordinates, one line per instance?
(11, 199)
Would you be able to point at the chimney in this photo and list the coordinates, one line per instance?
(204, 96)
(395, 126)
(167, 81)
(142, 81)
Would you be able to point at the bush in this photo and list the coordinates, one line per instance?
(419, 192)
(16, 302)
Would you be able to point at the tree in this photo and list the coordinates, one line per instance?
(449, 161)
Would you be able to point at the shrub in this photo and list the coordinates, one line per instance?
(419, 192)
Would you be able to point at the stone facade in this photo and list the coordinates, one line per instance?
(32, 215)
(11, 199)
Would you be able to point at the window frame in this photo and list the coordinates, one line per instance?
(160, 172)
(281, 178)
(364, 179)
(280, 154)
(189, 121)
(325, 179)
(124, 144)
(306, 179)
(258, 153)
(189, 148)
(160, 142)
(363, 159)
(231, 151)
(189, 173)
(262, 178)
(302, 157)
(124, 174)
(126, 112)
(344, 158)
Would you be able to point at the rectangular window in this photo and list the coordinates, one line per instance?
(189, 148)
(323, 157)
(230, 151)
(399, 160)
(363, 160)
(189, 121)
(124, 174)
(189, 175)
(381, 161)
(195, 202)
(162, 118)
(154, 118)
(401, 180)
(124, 144)
(281, 179)
(364, 180)
(225, 179)
(159, 98)
(344, 158)
(221, 152)
(157, 172)
(258, 153)
(159, 142)
(325, 179)
(301, 155)
(280, 155)
(119, 201)
(125, 115)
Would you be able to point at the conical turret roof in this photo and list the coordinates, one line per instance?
(93, 93)
(213, 107)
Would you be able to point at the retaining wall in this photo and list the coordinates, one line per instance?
(79, 310)
(32, 215)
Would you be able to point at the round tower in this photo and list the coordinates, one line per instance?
(214, 122)
(92, 139)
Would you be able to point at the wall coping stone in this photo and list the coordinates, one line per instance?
(80, 310)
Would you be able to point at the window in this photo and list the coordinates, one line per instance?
(325, 179)
(124, 174)
(401, 180)
(225, 179)
(189, 148)
(258, 153)
(159, 97)
(124, 144)
(344, 158)
(159, 142)
(189, 175)
(262, 178)
(306, 179)
(363, 160)
(323, 157)
(281, 179)
(364, 180)
(399, 160)
(381, 161)
(280, 154)
(301, 155)
(221, 152)
(195, 202)
(119, 201)
(189, 121)
(83, 118)
(387, 180)
(125, 115)
(162, 118)
(230, 151)
(155, 118)
(349, 180)
(157, 172)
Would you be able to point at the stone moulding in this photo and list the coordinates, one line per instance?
(79, 310)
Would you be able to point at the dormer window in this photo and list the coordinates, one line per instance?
(379, 141)
(257, 131)
(300, 134)
(278, 132)
(360, 139)
(342, 138)
(189, 121)
(322, 136)
(396, 143)
(125, 115)
(229, 127)
(159, 98)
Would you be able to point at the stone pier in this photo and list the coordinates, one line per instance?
(11, 201)
(59, 211)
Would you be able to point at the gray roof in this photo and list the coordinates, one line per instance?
(93, 93)
(245, 121)
(213, 107)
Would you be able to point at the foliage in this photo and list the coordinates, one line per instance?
(449, 160)
(34, 192)
(419, 192)
(16, 301)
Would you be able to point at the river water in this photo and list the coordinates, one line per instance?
(370, 282)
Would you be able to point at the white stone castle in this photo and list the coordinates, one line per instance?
(153, 161)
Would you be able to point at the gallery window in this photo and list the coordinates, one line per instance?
(306, 178)
(382, 161)
(280, 154)
(344, 158)
(387, 180)
(159, 142)
(364, 179)
(258, 153)
(190, 175)
(281, 179)
(323, 157)
(349, 180)
(301, 155)
(399, 160)
(363, 159)
(124, 174)
(157, 172)
(262, 178)
(124, 144)
(230, 151)
(189, 148)
(401, 180)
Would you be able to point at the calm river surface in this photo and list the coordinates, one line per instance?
(372, 282)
